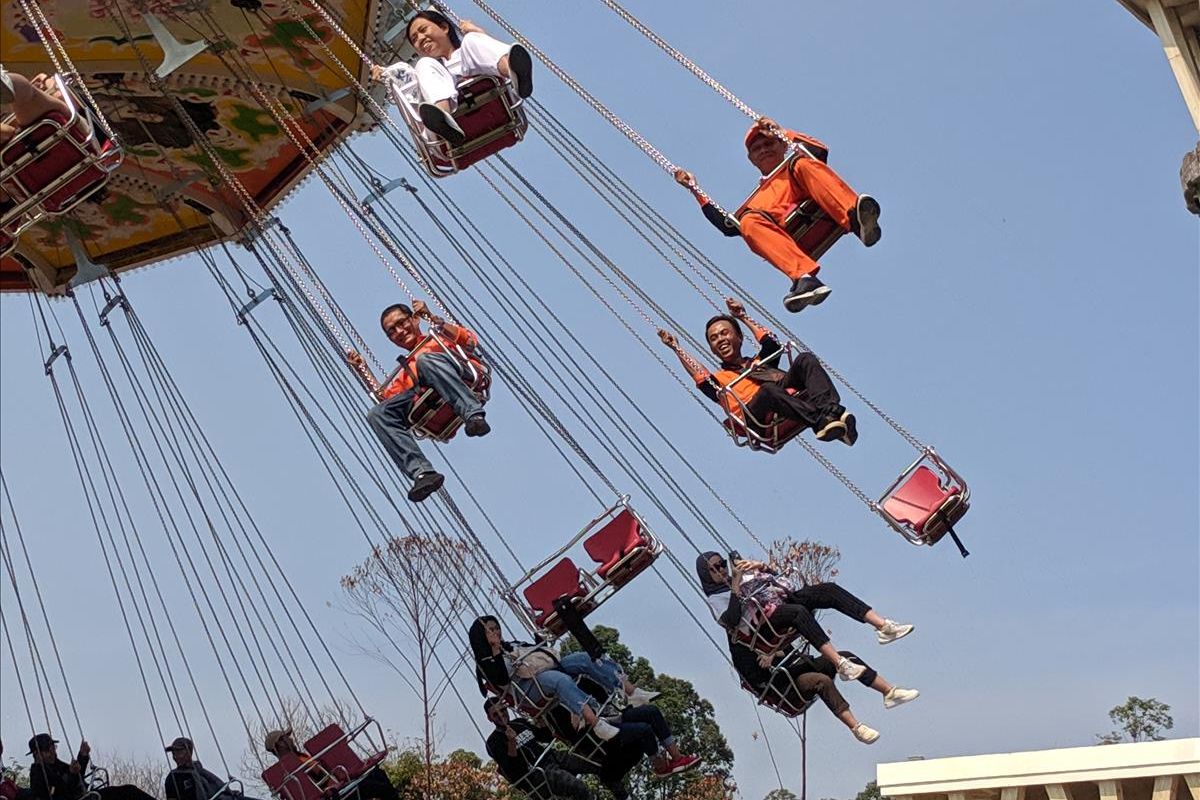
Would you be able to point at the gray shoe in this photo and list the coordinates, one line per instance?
(864, 220)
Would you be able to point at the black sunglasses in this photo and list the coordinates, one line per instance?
(722, 564)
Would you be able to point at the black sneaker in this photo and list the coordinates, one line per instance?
(477, 426)
(426, 484)
(441, 123)
(806, 291)
(520, 67)
(830, 428)
(851, 434)
(864, 220)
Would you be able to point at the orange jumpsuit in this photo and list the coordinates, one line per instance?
(763, 214)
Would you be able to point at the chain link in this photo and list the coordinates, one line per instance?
(47, 32)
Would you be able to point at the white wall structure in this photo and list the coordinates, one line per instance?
(1166, 770)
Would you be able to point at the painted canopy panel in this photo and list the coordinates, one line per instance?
(166, 199)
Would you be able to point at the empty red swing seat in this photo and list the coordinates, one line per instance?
(331, 746)
(926, 506)
(561, 580)
(621, 548)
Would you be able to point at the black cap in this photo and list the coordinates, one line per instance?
(40, 743)
(180, 743)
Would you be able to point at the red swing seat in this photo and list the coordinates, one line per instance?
(562, 580)
(52, 165)
(331, 747)
(621, 548)
(289, 780)
(430, 416)
(926, 501)
(769, 434)
(490, 114)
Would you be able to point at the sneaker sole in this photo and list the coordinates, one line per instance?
(688, 768)
(851, 435)
(831, 432)
(798, 302)
(418, 496)
(868, 212)
(896, 638)
(435, 120)
(520, 66)
(890, 704)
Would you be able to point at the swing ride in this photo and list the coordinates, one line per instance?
(186, 128)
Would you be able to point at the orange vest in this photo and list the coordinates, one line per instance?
(451, 336)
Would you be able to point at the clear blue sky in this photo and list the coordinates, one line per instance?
(1031, 310)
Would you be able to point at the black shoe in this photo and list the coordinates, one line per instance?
(426, 484)
(441, 123)
(806, 291)
(477, 426)
(830, 428)
(864, 220)
(851, 434)
(520, 67)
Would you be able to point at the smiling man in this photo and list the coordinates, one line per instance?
(803, 393)
(761, 223)
(425, 364)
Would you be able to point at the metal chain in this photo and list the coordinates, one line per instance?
(259, 217)
(46, 30)
(642, 143)
(687, 63)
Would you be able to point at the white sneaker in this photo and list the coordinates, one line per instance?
(847, 670)
(865, 733)
(891, 631)
(640, 697)
(898, 697)
(606, 731)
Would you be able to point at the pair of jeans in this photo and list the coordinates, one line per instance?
(652, 717)
(797, 612)
(559, 683)
(440, 372)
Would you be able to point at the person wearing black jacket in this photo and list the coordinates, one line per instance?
(517, 745)
(52, 779)
(189, 780)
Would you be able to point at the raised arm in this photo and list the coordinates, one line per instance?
(362, 370)
(726, 224)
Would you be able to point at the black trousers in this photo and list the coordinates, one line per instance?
(123, 793)
(797, 612)
(807, 677)
(376, 786)
(816, 398)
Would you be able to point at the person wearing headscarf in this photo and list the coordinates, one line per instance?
(781, 676)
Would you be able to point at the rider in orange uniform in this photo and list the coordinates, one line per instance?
(803, 393)
(761, 224)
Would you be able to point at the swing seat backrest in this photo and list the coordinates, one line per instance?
(621, 548)
(561, 580)
(432, 417)
(925, 505)
(332, 748)
(288, 780)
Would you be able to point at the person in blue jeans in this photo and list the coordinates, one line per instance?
(536, 674)
(425, 364)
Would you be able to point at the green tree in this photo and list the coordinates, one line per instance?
(1138, 720)
(781, 794)
(690, 716)
(870, 792)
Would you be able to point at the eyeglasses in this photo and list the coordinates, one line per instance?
(718, 565)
